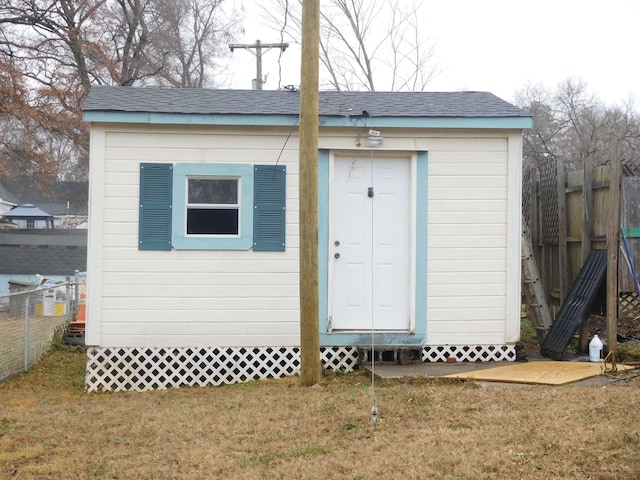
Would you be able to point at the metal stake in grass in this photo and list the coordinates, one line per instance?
(374, 403)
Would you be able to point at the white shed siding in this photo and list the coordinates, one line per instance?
(95, 236)
(514, 237)
(467, 236)
(191, 298)
(246, 298)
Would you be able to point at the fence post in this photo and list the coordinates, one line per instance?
(26, 332)
(562, 232)
(535, 234)
(613, 245)
(76, 296)
(67, 299)
(587, 195)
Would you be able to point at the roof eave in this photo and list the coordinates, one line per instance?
(497, 122)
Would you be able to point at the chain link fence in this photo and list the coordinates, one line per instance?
(30, 319)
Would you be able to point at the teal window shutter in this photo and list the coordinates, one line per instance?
(269, 211)
(156, 185)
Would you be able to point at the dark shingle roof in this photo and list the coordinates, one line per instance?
(26, 211)
(46, 251)
(280, 102)
(55, 198)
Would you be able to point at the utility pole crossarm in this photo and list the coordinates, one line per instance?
(258, 44)
(258, 47)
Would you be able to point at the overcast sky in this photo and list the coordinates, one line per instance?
(501, 45)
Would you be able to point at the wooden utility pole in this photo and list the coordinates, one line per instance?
(258, 46)
(613, 246)
(310, 367)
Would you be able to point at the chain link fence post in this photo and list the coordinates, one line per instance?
(26, 332)
(30, 319)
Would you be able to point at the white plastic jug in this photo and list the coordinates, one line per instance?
(595, 349)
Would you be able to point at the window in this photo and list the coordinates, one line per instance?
(212, 207)
(31, 223)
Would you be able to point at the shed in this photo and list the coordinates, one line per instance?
(194, 241)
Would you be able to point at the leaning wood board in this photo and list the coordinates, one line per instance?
(538, 373)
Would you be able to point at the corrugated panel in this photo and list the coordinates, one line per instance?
(577, 305)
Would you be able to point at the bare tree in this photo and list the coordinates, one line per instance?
(412, 62)
(169, 42)
(573, 124)
(365, 44)
(126, 47)
(24, 125)
(52, 46)
(194, 34)
(59, 48)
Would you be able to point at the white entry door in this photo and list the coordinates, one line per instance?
(370, 246)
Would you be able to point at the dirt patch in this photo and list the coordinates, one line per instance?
(628, 330)
(627, 327)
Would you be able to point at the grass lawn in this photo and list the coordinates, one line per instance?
(50, 429)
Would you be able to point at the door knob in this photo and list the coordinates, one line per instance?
(337, 255)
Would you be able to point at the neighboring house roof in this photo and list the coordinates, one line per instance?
(236, 105)
(56, 198)
(52, 252)
(27, 211)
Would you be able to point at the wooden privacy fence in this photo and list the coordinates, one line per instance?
(563, 232)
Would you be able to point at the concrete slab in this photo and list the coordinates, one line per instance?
(429, 370)
(466, 370)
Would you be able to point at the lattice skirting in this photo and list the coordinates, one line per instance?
(469, 353)
(139, 369)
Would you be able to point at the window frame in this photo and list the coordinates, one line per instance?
(179, 237)
(236, 206)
